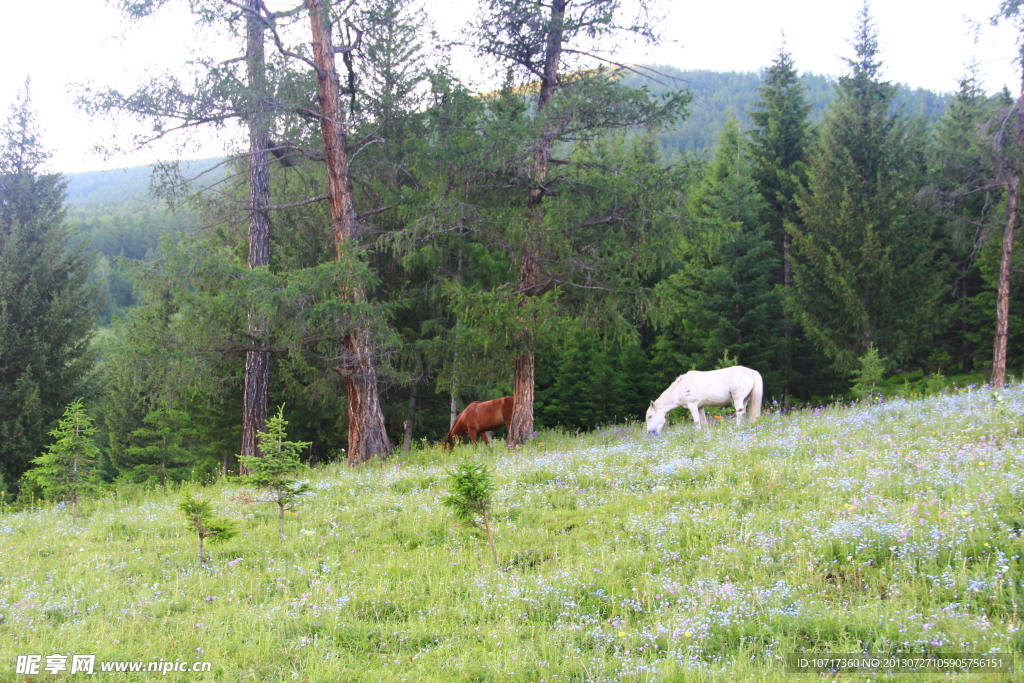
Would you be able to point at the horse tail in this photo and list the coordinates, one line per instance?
(754, 411)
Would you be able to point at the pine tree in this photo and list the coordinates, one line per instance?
(46, 304)
(862, 250)
(69, 468)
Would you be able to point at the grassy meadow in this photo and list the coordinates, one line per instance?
(694, 556)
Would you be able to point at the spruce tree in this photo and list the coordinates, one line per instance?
(161, 448)
(46, 304)
(68, 470)
(276, 467)
(722, 298)
(199, 515)
(779, 145)
(962, 171)
(863, 270)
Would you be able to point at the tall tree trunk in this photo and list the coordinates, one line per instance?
(520, 428)
(454, 407)
(790, 329)
(367, 435)
(1003, 293)
(1006, 262)
(257, 361)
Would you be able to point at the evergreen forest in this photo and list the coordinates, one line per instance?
(389, 245)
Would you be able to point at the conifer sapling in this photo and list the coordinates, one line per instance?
(868, 377)
(275, 471)
(199, 514)
(470, 500)
(68, 469)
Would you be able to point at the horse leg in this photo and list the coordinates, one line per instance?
(697, 412)
(703, 415)
(487, 438)
(740, 404)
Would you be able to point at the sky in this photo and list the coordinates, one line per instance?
(924, 43)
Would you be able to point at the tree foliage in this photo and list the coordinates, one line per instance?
(722, 296)
(275, 468)
(470, 499)
(862, 252)
(200, 517)
(69, 468)
(46, 303)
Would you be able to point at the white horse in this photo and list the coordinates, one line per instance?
(740, 386)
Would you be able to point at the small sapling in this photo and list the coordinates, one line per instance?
(470, 500)
(199, 514)
(275, 469)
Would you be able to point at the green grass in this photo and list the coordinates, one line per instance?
(694, 556)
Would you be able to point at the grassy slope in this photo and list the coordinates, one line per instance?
(694, 556)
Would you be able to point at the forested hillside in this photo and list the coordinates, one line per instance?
(717, 95)
(376, 259)
(116, 214)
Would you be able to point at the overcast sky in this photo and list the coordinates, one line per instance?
(924, 43)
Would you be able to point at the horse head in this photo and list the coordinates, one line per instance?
(655, 419)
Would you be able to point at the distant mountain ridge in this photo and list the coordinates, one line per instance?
(716, 94)
(120, 185)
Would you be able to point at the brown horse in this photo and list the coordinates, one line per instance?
(480, 417)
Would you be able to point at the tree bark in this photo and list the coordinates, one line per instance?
(1006, 261)
(1003, 293)
(367, 435)
(257, 362)
(520, 428)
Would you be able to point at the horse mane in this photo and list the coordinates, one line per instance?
(672, 386)
(460, 421)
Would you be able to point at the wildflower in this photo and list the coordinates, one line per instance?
(622, 634)
(688, 634)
